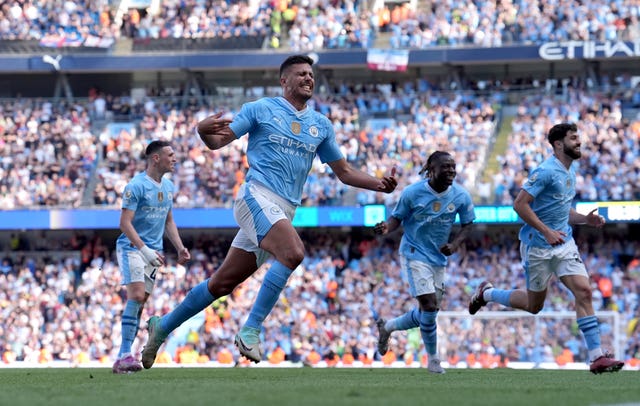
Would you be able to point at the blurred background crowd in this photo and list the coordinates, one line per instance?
(320, 24)
(57, 305)
(52, 155)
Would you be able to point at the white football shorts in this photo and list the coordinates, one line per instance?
(423, 278)
(541, 263)
(134, 269)
(256, 210)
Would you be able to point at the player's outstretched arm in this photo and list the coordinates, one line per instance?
(386, 227)
(592, 219)
(354, 177)
(214, 131)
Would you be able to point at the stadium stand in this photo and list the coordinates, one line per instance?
(69, 305)
(462, 122)
(316, 25)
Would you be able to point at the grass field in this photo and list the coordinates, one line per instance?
(308, 386)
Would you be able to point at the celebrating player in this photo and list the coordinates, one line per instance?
(146, 215)
(427, 210)
(285, 136)
(547, 247)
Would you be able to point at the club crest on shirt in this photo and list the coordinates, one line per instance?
(437, 206)
(451, 207)
(313, 130)
(160, 196)
(296, 127)
(568, 182)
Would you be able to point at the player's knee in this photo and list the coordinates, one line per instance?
(292, 257)
(219, 287)
(583, 294)
(137, 296)
(535, 309)
(429, 308)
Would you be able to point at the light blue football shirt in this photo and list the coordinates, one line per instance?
(427, 218)
(151, 201)
(553, 188)
(283, 143)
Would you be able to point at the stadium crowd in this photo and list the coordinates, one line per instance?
(48, 151)
(378, 126)
(57, 305)
(321, 24)
(611, 146)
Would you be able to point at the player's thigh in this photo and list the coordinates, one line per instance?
(569, 262)
(238, 265)
(572, 271)
(134, 270)
(127, 264)
(265, 220)
(242, 241)
(538, 266)
(283, 242)
(423, 278)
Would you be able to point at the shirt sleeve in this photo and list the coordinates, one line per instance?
(467, 210)
(328, 150)
(536, 182)
(245, 120)
(131, 197)
(401, 211)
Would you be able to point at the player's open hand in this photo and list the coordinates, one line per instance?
(215, 131)
(594, 219)
(389, 183)
(214, 124)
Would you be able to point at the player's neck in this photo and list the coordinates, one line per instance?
(565, 159)
(438, 187)
(297, 103)
(153, 174)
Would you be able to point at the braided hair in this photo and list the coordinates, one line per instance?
(430, 161)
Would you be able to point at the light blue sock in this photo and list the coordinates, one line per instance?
(591, 331)
(274, 281)
(409, 320)
(501, 296)
(428, 332)
(130, 323)
(198, 298)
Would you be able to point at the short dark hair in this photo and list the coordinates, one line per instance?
(155, 146)
(559, 131)
(294, 60)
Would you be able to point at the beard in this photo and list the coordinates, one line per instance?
(572, 153)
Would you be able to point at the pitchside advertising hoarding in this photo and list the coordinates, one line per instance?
(366, 216)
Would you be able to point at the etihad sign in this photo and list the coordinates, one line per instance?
(559, 50)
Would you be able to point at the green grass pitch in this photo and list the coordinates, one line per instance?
(310, 386)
